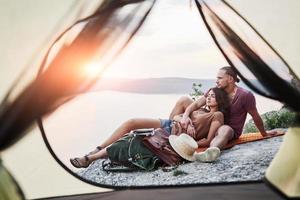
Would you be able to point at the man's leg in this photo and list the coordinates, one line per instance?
(180, 106)
(224, 134)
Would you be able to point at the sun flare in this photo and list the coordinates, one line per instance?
(93, 69)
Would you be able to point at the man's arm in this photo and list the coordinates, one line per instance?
(259, 123)
(192, 107)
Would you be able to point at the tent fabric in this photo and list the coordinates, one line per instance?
(250, 54)
(278, 22)
(284, 170)
(245, 138)
(100, 36)
(245, 191)
(288, 179)
(9, 189)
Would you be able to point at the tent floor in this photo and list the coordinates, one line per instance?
(244, 191)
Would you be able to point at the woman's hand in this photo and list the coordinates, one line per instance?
(191, 131)
(185, 121)
(176, 129)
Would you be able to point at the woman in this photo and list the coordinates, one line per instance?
(202, 127)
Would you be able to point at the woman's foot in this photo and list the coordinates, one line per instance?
(82, 162)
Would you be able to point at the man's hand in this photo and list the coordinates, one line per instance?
(260, 125)
(269, 133)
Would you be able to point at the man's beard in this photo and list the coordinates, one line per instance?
(222, 87)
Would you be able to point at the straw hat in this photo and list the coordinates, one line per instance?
(184, 145)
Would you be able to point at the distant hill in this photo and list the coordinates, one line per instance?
(168, 85)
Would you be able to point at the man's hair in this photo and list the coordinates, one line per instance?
(229, 71)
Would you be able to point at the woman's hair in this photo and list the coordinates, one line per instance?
(229, 71)
(223, 102)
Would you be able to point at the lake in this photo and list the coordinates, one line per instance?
(85, 122)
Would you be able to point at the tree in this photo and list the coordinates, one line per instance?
(196, 91)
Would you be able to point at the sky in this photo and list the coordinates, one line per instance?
(173, 42)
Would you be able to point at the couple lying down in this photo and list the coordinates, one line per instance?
(212, 121)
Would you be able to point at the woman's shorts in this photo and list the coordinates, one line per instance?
(166, 124)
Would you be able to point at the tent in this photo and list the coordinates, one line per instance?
(37, 37)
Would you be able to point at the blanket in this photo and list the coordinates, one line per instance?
(245, 138)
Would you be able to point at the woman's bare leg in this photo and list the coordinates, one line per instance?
(100, 154)
(126, 127)
(137, 123)
(85, 161)
(180, 106)
(129, 125)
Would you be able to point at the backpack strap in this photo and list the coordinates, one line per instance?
(109, 166)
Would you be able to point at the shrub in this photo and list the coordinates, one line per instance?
(282, 118)
(196, 91)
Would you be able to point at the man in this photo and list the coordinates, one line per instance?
(242, 102)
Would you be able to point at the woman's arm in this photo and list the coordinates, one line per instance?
(190, 130)
(217, 121)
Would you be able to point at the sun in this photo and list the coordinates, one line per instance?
(93, 69)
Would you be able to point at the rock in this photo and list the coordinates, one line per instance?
(245, 162)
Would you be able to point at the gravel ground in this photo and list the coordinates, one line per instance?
(245, 162)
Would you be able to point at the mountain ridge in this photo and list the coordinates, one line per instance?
(164, 85)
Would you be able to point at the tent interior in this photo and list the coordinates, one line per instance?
(75, 70)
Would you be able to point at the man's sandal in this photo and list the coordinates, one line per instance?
(80, 163)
